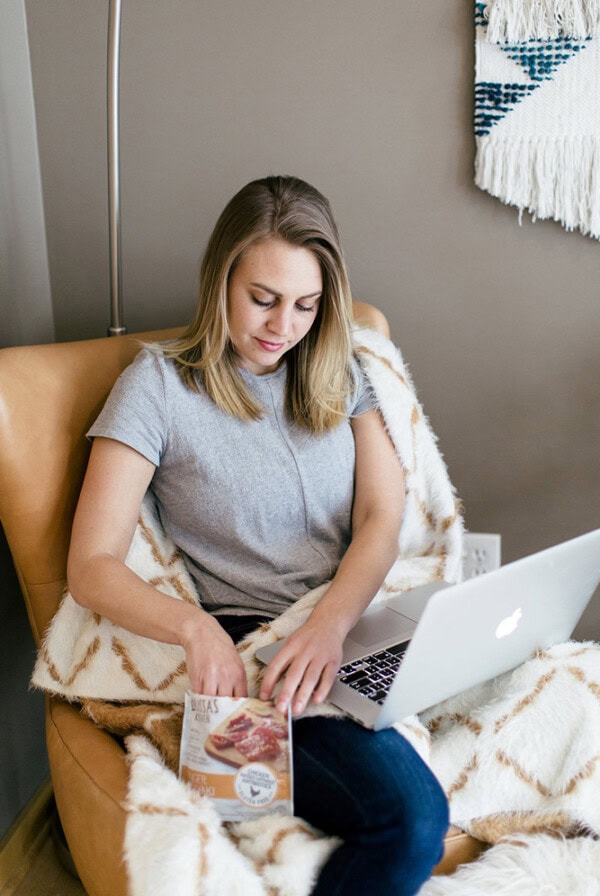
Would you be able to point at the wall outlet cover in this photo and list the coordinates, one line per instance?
(482, 553)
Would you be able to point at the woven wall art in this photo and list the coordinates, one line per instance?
(537, 108)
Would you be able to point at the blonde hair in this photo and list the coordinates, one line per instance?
(319, 378)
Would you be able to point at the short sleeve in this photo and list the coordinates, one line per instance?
(363, 399)
(135, 412)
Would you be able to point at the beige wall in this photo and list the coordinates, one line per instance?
(25, 296)
(372, 102)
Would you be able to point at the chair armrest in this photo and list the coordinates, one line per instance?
(89, 774)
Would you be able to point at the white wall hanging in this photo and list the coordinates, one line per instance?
(537, 108)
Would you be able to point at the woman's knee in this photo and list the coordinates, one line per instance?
(407, 840)
(423, 837)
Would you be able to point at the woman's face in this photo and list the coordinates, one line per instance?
(272, 302)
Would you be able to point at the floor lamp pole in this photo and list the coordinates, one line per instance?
(116, 327)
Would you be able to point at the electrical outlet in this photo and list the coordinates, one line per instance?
(481, 553)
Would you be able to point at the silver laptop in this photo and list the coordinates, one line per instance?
(433, 642)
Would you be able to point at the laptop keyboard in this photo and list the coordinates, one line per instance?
(373, 675)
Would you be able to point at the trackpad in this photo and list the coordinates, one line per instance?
(379, 626)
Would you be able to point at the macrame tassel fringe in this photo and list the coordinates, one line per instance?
(512, 21)
(550, 177)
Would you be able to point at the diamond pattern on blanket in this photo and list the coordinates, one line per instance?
(525, 747)
(86, 655)
(131, 669)
(79, 667)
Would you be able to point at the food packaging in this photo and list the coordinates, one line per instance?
(238, 752)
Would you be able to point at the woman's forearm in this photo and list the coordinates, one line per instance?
(105, 585)
(379, 496)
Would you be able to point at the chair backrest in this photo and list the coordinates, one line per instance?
(49, 397)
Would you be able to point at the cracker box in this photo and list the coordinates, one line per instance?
(238, 752)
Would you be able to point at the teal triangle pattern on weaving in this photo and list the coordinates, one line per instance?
(480, 16)
(493, 101)
(539, 60)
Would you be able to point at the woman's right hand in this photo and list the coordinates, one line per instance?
(214, 666)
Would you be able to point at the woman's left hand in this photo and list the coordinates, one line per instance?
(310, 660)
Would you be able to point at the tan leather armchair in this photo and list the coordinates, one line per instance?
(49, 396)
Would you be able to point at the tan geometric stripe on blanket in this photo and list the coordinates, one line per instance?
(546, 655)
(414, 419)
(156, 552)
(415, 413)
(437, 525)
(172, 812)
(280, 836)
(584, 773)
(579, 674)
(131, 669)
(54, 673)
(522, 774)
(362, 350)
(417, 732)
(427, 515)
(175, 582)
(434, 725)
(492, 828)
(437, 574)
(542, 682)
(463, 778)
(204, 838)
(151, 809)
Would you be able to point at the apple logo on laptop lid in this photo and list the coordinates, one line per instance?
(508, 625)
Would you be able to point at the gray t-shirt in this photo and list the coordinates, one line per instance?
(260, 509)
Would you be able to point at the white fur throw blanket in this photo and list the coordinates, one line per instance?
(505, 767)
(519, 758)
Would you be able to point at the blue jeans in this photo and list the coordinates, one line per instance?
(373, 791)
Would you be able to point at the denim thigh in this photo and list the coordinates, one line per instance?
(373, 791)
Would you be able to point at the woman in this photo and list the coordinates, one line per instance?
(273, 473)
